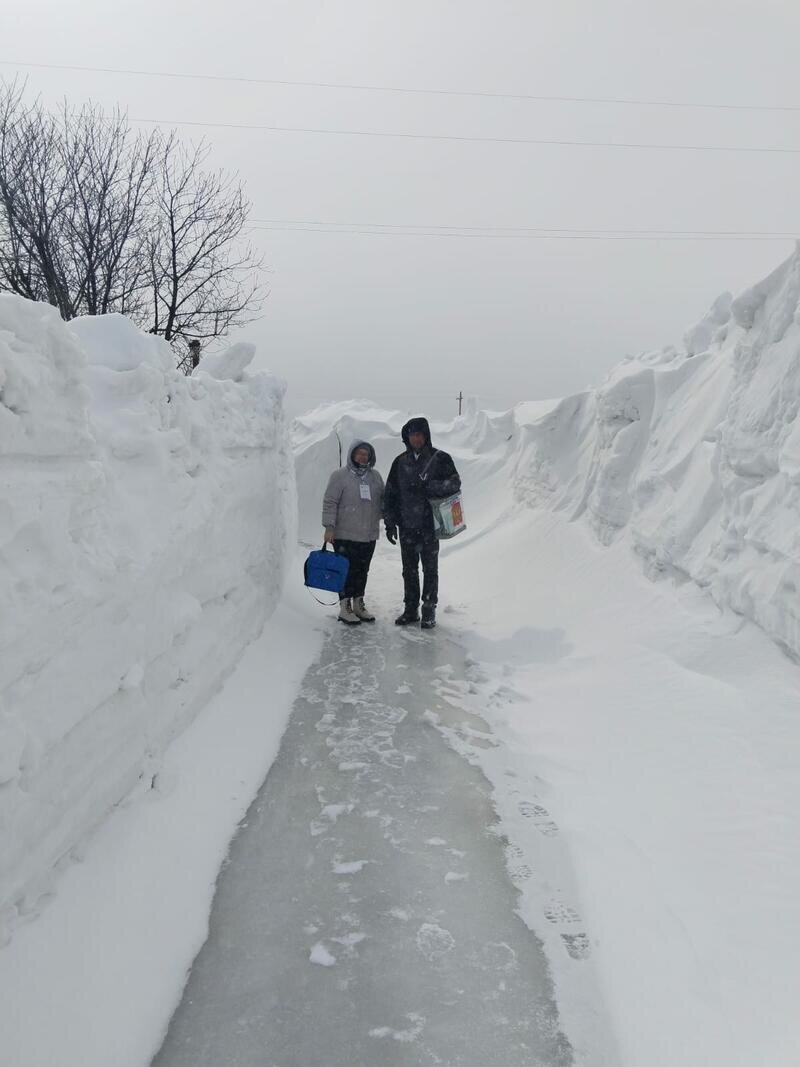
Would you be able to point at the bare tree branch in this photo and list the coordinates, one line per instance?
(206, 277)
(95, 218)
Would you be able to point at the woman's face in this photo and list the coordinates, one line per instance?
(361, 457)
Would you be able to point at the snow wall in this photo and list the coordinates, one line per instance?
(145, 520)
(691, 452)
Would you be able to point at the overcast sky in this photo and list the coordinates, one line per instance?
(409, 320)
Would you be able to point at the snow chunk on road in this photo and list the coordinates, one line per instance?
(351, 867)
(404, 1036)
(320, 955)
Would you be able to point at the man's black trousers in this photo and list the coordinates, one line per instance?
(360, 555)
(417, 548)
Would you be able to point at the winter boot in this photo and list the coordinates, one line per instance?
(428, 616)
(360, 609)
(410, 614)
(346, 613)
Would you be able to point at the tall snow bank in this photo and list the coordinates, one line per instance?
(695, 456)
(144, 524)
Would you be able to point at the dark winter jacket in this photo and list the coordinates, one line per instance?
(414, 480)
(353, 500)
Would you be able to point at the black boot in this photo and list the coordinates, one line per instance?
(410, 614)
(428, 616)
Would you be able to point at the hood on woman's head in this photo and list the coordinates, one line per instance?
(354, 447)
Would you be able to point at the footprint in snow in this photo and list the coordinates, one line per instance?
(577, 945)
(541, 817)
(556, 912)
(520, 873)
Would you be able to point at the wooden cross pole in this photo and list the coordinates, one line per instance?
(460, 398)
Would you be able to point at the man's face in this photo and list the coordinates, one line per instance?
(361, 457)
(417, 440)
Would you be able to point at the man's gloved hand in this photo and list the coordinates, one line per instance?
(391, 535)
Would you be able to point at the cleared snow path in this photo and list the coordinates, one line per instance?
(365, 914)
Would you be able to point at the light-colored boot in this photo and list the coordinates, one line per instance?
(346, 613)
(360, 609)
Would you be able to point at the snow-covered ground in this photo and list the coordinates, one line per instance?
(365, 915)
(626, 596)
(145, 522)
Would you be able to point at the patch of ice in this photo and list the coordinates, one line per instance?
(434, 942)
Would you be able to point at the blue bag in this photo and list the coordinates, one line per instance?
(326, 570)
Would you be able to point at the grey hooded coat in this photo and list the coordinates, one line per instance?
(353, 501)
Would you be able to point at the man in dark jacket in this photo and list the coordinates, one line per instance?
(420, 474)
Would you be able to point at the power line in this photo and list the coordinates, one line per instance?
(545, 230)
(408, 90)
(468, 139)
(518, 236)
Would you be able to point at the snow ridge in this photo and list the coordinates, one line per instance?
(144, 525)
(696, 455)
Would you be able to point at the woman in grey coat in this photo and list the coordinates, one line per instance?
(351, 511)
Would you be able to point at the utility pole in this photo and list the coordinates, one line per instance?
(460, 399)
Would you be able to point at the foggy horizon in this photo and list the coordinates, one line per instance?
(409, 320)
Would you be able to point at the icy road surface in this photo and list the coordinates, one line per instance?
(365, 915)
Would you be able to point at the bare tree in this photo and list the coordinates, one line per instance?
(75, 192)
(34, 198)
(110, 179)
(95, 218)
(205, 277)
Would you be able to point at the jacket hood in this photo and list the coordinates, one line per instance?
(353, 447)
(418, 424)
